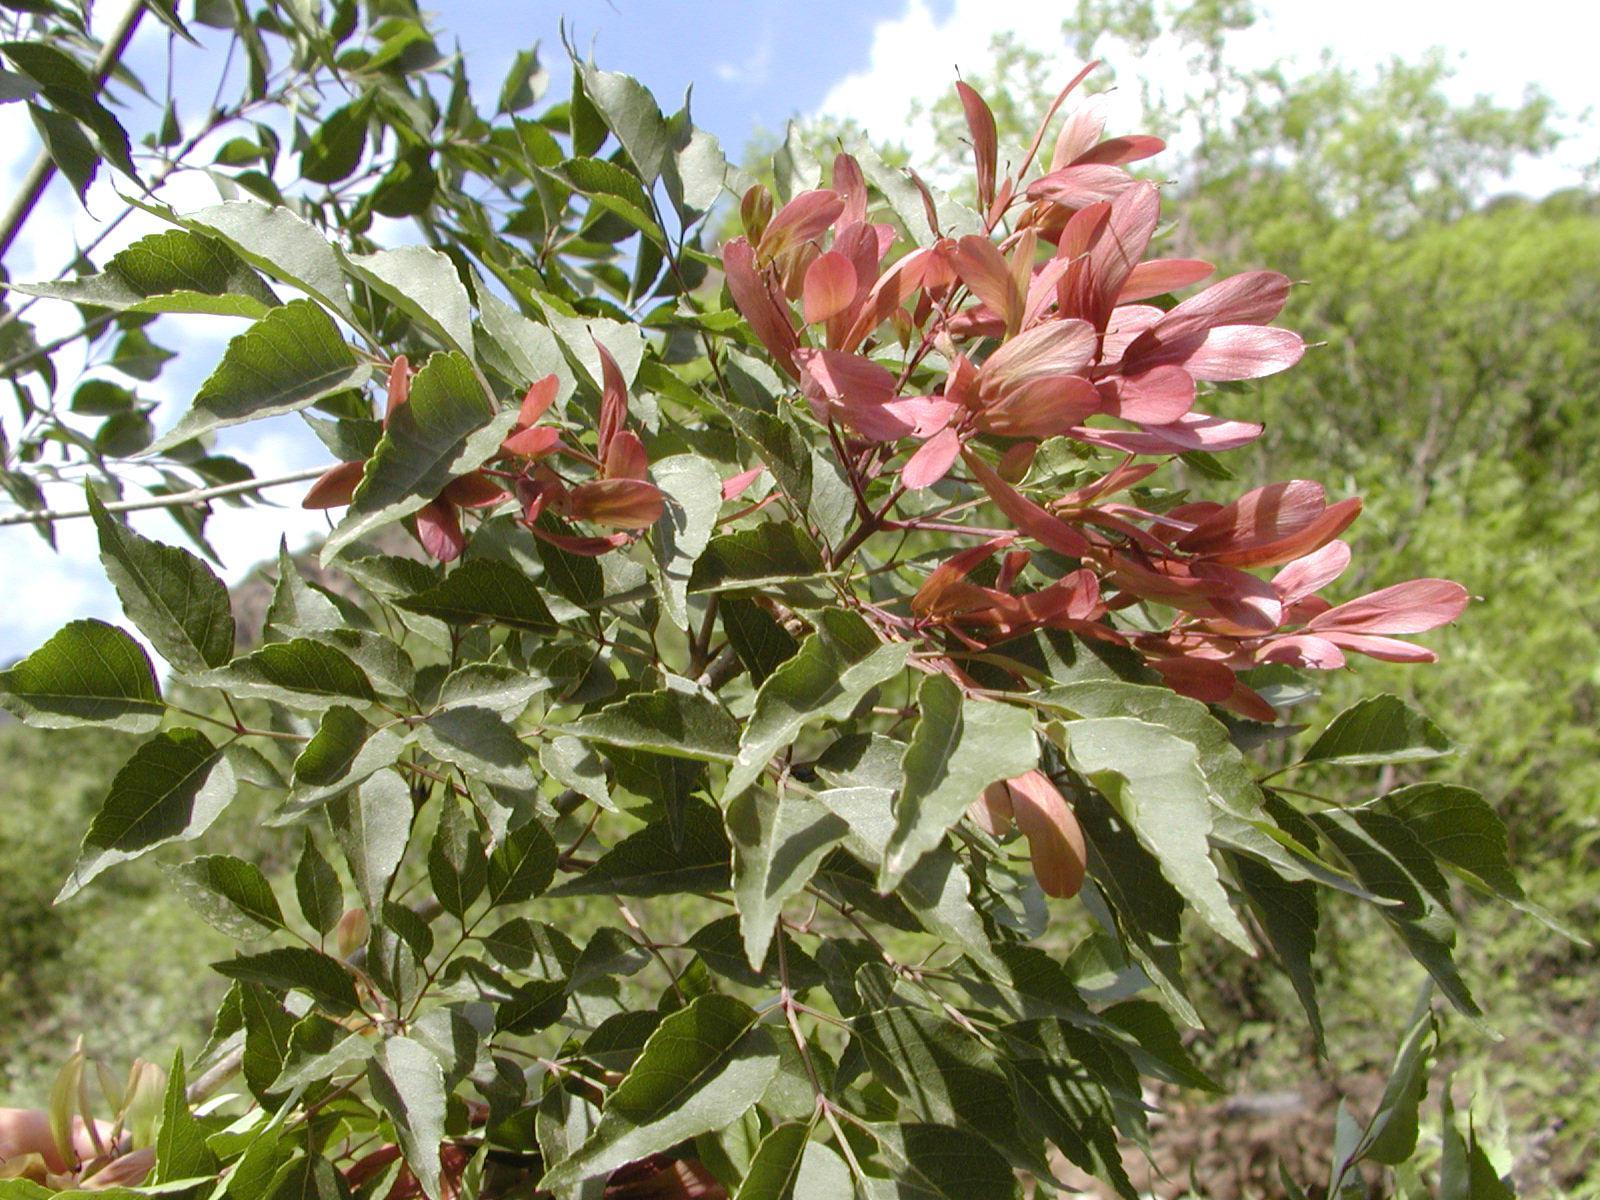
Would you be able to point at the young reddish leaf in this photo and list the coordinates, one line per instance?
(985, 145)
(1055, 841)
(803, 219)
(757, 303)
(1028, 517)
(334, 487)
(1312, 572)
(1158, 276)
(932, 461)
(1412, 607)
(439, 530)
(619, 503)
(399, 386)
(830, 287)
(850, 183)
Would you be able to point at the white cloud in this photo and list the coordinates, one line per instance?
(914, 57)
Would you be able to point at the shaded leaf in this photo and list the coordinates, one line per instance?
(651, 863)
(297, 968)
(483, 589)
(701, 1069)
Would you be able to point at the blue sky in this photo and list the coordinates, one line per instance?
(754, 64)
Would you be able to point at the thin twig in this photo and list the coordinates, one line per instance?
(175, 500)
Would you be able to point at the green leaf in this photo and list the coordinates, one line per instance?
(1457, 826)
(480, 742)
(337, 143)
(373, 825)
(344, 751)
(181, 1150)
(446, 429)
(936, 1162)
(756, 637)
(574, 577)
(1063, 1079)
(957, 749)
(611, 189)
(692, 489)
(780, 446)
(609, 952)
(652, 863)
(289, 359)
(301, 673)
(1389, 861)
(307, 1177)
(832, 673)
(532, 1007)
(279, 242)
(316, 1060)
(778, 841)
(945, 1075)
(89, 673)
(1156, 1046)
(525, 82)
(572, 764)
(1379, 729)
(630, 112)
(171, 790)
(297, 607)
(522, 865)
(1288, 916)
(457, 866)
(521, 348)
(173, 271)
(422, 283)
(483, 589)
(676, 724)
(175, 599)
(500, 689)
(1239, 822)
(701, 1069)
(232, 895)
(1465, 1172)
(1153, 779)
(1391, 1136)
(317, 889)
(771, 554)
(297, 968)
(775, 1169)
(699, 174)
(69, 148)
(408, 1082)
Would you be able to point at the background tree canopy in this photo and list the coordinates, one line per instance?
(1450, 383)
